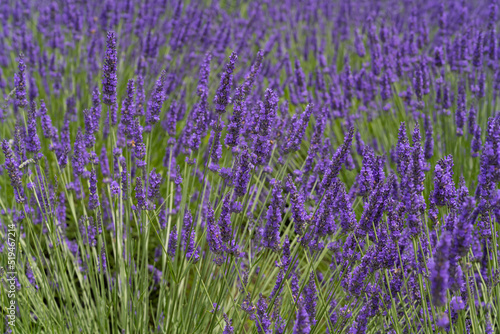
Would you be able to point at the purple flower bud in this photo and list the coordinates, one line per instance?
(298, 130)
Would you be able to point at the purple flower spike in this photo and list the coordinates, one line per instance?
(94, 197)
(298, 130)
(32, 140)
(302, 325)
(221, 98)
(20, 83)
(262, 321)
(154, 185)
(109, 79)
(438, 269)
(214, 239)
(225, 220)
(271, 232)
(15, 175)
(156, 102)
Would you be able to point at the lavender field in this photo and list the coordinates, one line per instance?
(249, 166)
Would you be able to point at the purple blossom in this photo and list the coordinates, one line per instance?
(32, 140)
(20, 83)
(214, 238)
(271, 232)
(12, 168)
(109, 79)
(225, 220)
(221, 98)
(438, 269)
(94, 197)
(297, 131)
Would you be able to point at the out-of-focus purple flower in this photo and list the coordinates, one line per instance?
(109, 79)
(429, 140)
(438, 269)
(489, 170)
(221, 98)
(302, 325)
(140, 96)
(310, 297)
(204, 74)
(462, 232)
(263, 322)
(228, 329)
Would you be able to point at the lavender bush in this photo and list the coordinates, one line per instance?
(249, 167)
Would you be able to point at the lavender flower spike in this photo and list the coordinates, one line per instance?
(221, 98)
(438, 269)
(109, 79)
(20, 83)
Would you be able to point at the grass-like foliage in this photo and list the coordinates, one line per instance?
(249, 167)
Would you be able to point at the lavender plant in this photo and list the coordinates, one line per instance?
(189, 167)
